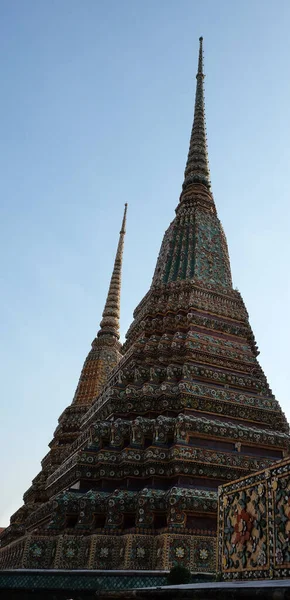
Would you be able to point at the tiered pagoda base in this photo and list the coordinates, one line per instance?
(130, 585)
(127, 552)
(139, 487)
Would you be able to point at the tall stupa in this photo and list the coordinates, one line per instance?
(156, 425)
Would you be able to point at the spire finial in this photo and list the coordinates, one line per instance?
(110, 323)
(197, 168)
(200, 58)
(123, 228)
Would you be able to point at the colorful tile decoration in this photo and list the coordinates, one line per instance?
(130, 552)
(254, 525)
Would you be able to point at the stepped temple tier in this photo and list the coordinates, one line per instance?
(131, 477)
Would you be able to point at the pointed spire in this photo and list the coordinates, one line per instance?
(197, 168)
(110, 323)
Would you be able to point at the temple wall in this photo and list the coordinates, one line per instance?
(254, 525)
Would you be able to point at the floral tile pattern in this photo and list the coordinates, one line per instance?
(254, 525)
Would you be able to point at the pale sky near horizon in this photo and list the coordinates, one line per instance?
(96, 105)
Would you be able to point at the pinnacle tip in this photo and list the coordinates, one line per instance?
(201, 38)
(126, 204)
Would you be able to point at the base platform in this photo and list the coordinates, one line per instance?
(33, 584)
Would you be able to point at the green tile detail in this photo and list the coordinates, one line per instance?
(77, 581)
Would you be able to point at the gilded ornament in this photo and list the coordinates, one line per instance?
(179, 552)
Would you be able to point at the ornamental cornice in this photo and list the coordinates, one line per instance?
(186, 402)
(239, 382)
(169, 457)
(175, 468)
(186, 296)
(181, 427)
(114, 504)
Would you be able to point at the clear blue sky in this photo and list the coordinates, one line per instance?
(96, 110)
